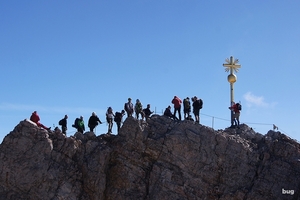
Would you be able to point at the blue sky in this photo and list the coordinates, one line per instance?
(78, 57)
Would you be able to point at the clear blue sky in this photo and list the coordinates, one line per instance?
(76, 57)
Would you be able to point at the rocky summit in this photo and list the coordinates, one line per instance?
(160, 159)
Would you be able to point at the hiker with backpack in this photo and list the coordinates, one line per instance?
(128, 107)
(197, 105)
(236, 108)
(118, 119)
(177, 106)
(109, 118)
(63, 124)
(186, 107)
(36, 119)
(79, 124)
(138, 109)
(93, 121)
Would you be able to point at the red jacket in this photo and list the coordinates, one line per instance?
(177, 102)
(35, 117)
(235, 108)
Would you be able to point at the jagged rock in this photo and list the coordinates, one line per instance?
(160, 159)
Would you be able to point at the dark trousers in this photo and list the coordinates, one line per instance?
(110, 124)
(179, 113)
(64, 130)
(80, 130)
(118, 125)
(92, 128)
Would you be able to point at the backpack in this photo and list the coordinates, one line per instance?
(138, 107)
(200, 103)
(118, 117)
(186, 104)
(239, 106)
(75, 125)
(60, 122)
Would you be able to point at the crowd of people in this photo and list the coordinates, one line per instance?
(145, 113)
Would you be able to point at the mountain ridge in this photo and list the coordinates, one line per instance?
(160, 159)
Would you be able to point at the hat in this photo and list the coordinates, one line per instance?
(129, 99)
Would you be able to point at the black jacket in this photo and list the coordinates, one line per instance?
(118, 117)
(63, 122)
(147, 111)
(168, 112)
(93, 121)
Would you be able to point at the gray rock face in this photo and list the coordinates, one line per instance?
(160, 159)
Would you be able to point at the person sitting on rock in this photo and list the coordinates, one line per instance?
(93, 121)
(168, 113)
(36, 118)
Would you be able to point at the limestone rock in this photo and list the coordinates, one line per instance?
(160, 159)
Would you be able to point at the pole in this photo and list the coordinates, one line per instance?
(231, 65)
(231, 102)
(231, 92)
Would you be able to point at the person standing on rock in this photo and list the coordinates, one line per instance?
(36, 119)
(177, 106)
(109, 119)
(80, 125)
(128, 107)
(93, 121)
(118, 119)
(63, 123)
(236, 108)
(197, 105)
(138, 109)
(186, 107)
